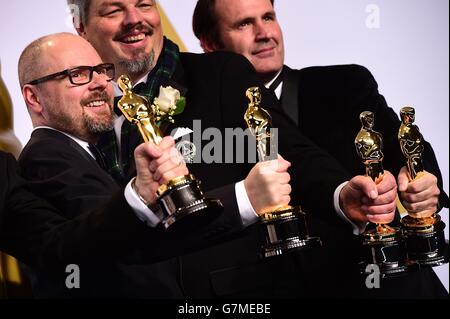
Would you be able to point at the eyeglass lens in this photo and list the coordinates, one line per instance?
(83, 75)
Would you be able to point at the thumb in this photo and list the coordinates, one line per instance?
(366, 185)
(148, 151)
(403, 179)
(283, 165)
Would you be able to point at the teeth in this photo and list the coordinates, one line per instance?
(95, 103)
(134, 38)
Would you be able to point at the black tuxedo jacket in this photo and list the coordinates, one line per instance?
(325, 103)
(61, 171)
(215, 86)
(36, 233)
(232, 269)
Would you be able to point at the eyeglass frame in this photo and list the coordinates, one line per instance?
(67, 73)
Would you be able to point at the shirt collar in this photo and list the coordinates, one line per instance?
(278, 89)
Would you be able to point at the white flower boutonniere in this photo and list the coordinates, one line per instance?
(168, 103)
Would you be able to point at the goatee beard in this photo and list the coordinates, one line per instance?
(138, 66)
(95, 128)
(100, 124)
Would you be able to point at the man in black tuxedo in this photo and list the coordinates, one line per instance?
(69, 108)
(129, 33)
(37, 234)
(324, 102)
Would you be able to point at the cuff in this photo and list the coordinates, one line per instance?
(357, 228)
(141, 210)
(248, 214)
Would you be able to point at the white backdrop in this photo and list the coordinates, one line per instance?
(405, 43)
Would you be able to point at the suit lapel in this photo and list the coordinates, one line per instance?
(177, 81)
(289, 94)
(44, 132)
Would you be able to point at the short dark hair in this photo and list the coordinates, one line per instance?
(204, 21)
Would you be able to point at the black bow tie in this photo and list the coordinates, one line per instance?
(137, 89)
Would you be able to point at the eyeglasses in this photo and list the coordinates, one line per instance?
(81, 75)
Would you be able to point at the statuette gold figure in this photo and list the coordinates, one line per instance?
(383, 246)
(424, 230)
(137, 110)
(369, 146)
(285, 229)
(182, 196)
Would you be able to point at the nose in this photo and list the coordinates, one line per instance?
(262, 31)
(99, 81)
(132, 16)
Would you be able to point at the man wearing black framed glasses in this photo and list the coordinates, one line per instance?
(69, 96)
(113, 221)
(80, 75)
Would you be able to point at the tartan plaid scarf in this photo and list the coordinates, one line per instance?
(130, 137)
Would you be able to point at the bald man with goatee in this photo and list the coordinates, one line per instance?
(67, 89)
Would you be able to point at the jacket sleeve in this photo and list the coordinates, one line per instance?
(387, 122)
(315, 175)
(37, 234)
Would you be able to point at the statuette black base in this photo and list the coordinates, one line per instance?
(285, 231)
(387, 251)
(182, 203)
(425, 240)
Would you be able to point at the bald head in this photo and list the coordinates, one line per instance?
(42, 56)
(83, 110)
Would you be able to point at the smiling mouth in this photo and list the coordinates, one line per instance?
(129, 39)
(96, 103)
(264, 51)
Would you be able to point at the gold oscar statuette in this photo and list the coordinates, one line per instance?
(384, 245)
(424, 230)
(181, 197)
(369, 146)
(284, 229)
